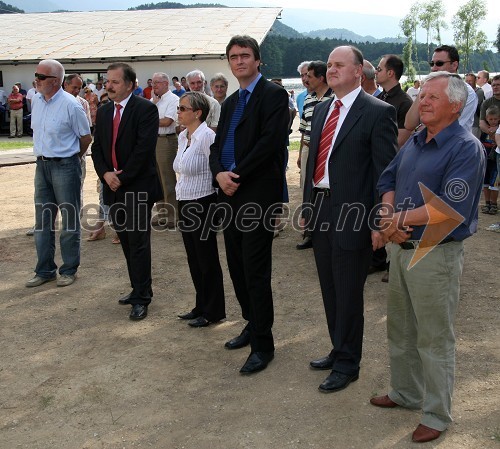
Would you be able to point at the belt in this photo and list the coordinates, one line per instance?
(166, 135)
(43, 158)
(318, 190)
(417, 243)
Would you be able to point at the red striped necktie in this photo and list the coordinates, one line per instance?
(116, 125)
(326, 142)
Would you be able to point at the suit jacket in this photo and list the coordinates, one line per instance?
(260, 142)
(135, 149)
(365, 144)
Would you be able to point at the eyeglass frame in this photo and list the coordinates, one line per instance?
(438, 63)
(184, 108)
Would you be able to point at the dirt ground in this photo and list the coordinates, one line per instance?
(76, 373)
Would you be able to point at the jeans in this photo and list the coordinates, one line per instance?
(57, 187)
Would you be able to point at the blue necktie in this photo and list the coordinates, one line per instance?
(227, 156)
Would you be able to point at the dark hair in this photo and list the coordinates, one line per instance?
(198, 101)
(244, 41)
(129, 75)
(394, 63)
(471, 74)
(451, 50)
(71, 77)
(358, 56)
(174, 78)
(496, 78)
(318, 68)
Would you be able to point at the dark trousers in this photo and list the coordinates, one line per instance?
(379, 258)
(132, 222)
(249, 258)
(200, 242)
(342, 275)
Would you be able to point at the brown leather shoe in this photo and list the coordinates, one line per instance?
(423, 434)
(383, 401)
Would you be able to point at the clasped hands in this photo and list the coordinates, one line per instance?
(226, 183)
(112, 180)
(391, 229)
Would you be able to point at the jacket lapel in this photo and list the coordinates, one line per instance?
(355, 112)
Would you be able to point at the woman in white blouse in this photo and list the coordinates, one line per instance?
(197, 200)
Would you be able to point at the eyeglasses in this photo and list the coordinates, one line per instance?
(43, 77)
(438, 63)
(378, 69)
(184, 108)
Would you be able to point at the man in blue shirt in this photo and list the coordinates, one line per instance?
(61, 136)
(433, 184)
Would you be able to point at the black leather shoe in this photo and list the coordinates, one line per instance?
(188, 316)
(240, 341)
(337, 381)
(125, 299)
(199, 322)
(257, 361)
(323, 363)
(138, 312)
(305, 244)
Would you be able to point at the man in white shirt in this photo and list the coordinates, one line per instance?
(30, 94)
(482, 81)
(196, 82)
(413, 91)
(166, 148)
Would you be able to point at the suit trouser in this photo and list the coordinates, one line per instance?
(131, 220)
(249, 259)
(16, 120)
(342, 275)
(200, 242)
(166, 150)
(420, 316)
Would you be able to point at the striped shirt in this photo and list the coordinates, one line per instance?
(191, 163)
(309, 104)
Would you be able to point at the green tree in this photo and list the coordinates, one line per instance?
(497, 43)
(430, 19)
(408, 25)
(468, 37)
(5, 8)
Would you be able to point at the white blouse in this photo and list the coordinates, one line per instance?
(191, 163)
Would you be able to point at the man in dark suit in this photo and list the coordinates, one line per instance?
(353, 138)
(247, 162)
(124, 158)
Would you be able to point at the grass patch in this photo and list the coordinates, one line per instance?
(294, 145)
(14, 144)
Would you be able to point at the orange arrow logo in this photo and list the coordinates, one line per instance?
(443, 219)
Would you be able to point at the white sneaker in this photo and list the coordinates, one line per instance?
(37, 281)
(66, 279)
(495, 227)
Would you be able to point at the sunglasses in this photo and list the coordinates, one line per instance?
(438, 63)
(184, 108)
(43, 77)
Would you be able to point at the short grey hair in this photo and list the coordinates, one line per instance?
(302, 65)
(199, 102)
(456, 89)
(368, 70)
(219, 77)
(162, 75)
(56, 68)
(194, 73)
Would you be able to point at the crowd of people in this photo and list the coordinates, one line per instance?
(380, 168)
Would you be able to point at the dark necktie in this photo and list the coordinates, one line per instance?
(326, 142)
(116, 125)
(227, 156)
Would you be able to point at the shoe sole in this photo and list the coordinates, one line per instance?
(317, 368)
(338, 389)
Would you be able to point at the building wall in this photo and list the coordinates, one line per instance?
(25, 73)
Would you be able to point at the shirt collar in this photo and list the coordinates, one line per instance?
(348, 99)
(123, 103)
(252, 85)
(441, 138)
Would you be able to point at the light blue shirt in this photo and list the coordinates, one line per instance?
(57, 125)
(251, 87)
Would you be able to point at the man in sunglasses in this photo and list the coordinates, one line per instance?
(61, 135)
(446, 59)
